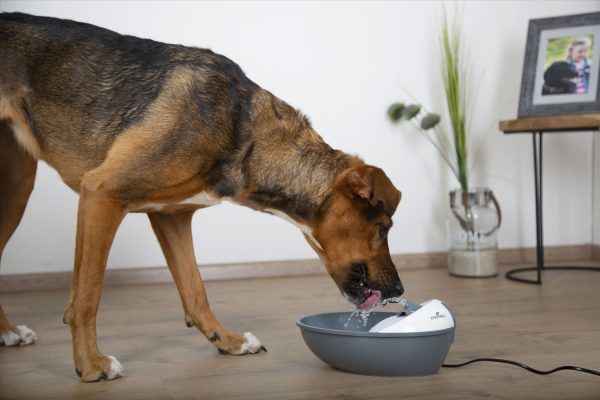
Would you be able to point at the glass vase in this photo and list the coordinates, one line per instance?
(473, 222)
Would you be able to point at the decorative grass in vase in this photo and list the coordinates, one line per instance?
(473, 222)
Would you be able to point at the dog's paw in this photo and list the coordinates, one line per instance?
(250, 345)
(104, 369)
(20, 336)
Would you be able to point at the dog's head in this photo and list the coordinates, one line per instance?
(351, 236)
(559, 77)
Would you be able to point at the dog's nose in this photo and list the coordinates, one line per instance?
(399, 289)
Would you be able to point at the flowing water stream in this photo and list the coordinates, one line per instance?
(364, 314)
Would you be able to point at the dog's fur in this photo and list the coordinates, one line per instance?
(134, 125)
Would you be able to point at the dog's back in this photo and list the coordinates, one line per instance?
(74, 87)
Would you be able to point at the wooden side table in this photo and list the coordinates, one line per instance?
(537, 126)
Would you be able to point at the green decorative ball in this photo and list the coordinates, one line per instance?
(411, 111)
(429, 121)
(395, 111)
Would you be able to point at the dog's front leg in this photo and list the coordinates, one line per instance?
(98, 218)
(174, 232)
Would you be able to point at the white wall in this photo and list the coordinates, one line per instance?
(342, 63)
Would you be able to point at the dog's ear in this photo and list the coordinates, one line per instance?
(371, 184)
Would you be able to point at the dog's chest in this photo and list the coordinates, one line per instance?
(202, 199)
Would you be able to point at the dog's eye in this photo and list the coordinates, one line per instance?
(383, 231)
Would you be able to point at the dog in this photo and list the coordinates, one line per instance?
(559, 78)
(135, 125)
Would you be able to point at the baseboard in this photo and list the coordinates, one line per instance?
(596, 252)
(137, 276)
(552, 254)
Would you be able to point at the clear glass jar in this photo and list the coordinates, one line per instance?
(474, 219)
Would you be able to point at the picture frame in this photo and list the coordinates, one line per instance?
(561, 70)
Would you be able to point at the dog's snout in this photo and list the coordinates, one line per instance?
(359, 271)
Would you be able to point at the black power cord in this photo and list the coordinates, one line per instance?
(528, 368)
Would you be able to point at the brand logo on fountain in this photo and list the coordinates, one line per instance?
(438, 315)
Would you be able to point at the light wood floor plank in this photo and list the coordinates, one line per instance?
(555, 324)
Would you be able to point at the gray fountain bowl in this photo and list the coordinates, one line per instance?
(354, 349)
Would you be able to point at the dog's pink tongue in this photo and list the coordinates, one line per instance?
(371, 301)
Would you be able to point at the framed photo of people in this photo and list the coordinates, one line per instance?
(561, 68)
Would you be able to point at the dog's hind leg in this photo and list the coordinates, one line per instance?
(174, 232)
(17, 175)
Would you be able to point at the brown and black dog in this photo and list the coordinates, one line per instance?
(135, 125)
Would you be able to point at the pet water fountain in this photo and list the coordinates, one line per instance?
(413, 342)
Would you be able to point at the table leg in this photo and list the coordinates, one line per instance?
(539, 224)
(539, 220)
(539, 216)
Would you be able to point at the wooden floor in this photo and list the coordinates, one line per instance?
(555, 324)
